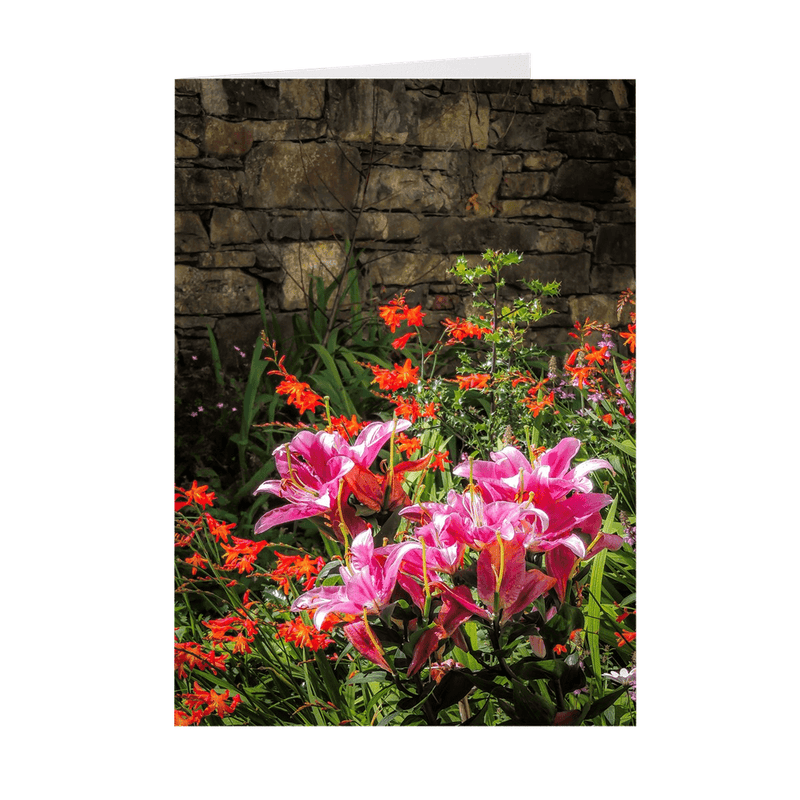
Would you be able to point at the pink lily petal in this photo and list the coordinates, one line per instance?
(366, 643)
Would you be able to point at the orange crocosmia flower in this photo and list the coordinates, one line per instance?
(197, 561)
(608, 419)
(196, 494)
(400, 343)
(537, 406)
(628, 366)
(408, 444)
(301, 635)
(458, 330)
(439, 461)
(630, 338)
(299, 394)
(241, 644)
(414, 316)
(596, 355)
(212, 700)
(394, 313)
(558, 649)
(347, 427)
(243, 554)
(406, 374)
(582, 375)
(219, 530)
(430, 410)
(625, 638)
(477, 381)
(408, 408)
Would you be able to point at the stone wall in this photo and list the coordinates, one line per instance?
(273, 175)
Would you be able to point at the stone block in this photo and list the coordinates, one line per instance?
(189, 106)
(475, 235)
(591, 145)
(301, 98)
(546, 208)
(599, 307)
(249, 98)
(213, 97)
(232, 226)
(214, 291)
(227, 138)
(457, 121)
(227, 259)
(616, 244)
(559, 240)
(408, 269)
(304, 262)
(571, 118)
(294, 175)
(546, 159)
(518, 131)
(187, 86)
(607, 278)
(190, 127)
(413, 190)
(287, 130)
(185, 149)
(205, 187)
(190, 235)
(396, 111)
(525, 184)
(560, 92)
(580, 180)
(571, 270)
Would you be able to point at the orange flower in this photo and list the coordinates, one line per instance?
(458, 330)
(300, 634)
(219, 530)
(628, 366)
(408, 409)
(299, 394)
(406, 374)
(197, 561)
(399, 377)
(394, 313)
(537, 406)
(477, 381)
(439, 461)
(596, 355)
(625, 638)
(630, 337)
(213, 701)
(414, 316)
(196, 494)
(608, 419)
(408, 444)
(558, 649)
(243, 554)
(399, 344)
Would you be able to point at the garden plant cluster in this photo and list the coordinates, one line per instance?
(421, 532)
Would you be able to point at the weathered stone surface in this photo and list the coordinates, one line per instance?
(559, 240)
(227, 138)
(525, 184)
(623, 215)
(217, 291)
(600, 307)
(572, 271)
(616, 244)
(464, 235)
(205, 186)
(580, 180)
(617, 121)
(412, 190)
(610, 94)
(190, 127)
(612, 278)
(303, 262)
(190, 235)
(301, 98)
(250, 98)
(547, 208)
(625, 191)
(573, 118)
(187, 86)
(396, 112)
(213, 97)
(586, 144)
(441, 160)
(518, 131)
(289, 130)
(487, 173)
(232, 226)
(547, 159)
(293, 175)
(185, 149)
(227, 259)
(566, 92)
(512, 163)
(455, 121)
(407, 269)
(188, 324)
(187, 105)
(516, 96)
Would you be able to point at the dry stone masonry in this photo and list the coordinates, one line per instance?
(272, 176)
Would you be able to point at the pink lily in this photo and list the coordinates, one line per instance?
(312, 467)
(503, 579)
(368, 582)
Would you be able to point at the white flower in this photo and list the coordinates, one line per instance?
(622, 677)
